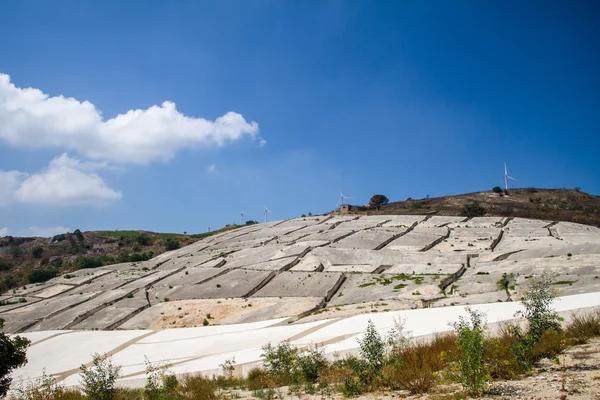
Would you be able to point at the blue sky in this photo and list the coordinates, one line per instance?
(285, 104)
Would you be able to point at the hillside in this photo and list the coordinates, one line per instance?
(569, 205)
(310, 280)
(25, 260)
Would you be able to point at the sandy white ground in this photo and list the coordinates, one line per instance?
(203, 349)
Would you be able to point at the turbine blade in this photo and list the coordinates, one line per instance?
(510, 177)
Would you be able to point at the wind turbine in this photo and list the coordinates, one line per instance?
(242, 217)
(506, 177)
(266, 212)
(342, 197)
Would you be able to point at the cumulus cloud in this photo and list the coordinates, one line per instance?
(3, 232)
(29, 117)
(66, 182)
(47, 231)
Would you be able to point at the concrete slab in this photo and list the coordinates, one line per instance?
(53, 291)
(190, 276)
(417, 239)
(69, 317)
(440, 220)
(369, 239)
(236, 283)
(403, 221)
(301, 284)
(369, 288)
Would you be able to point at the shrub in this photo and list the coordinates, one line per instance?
(538, 312)
(583, 327)
(505, 354)
(161, 384)
(15, 251)
(311, 363)
(414, 368)
(497, 189)
(12, 355)
(144, 239)
(41, 275)
(171, 244)
(280, 361)
(5, 265)
(549, 345)
(372, 351)
(37, 252)
(257, 379)
(197, 387)
(471, 370)
(87, 262)
(98, 380)
(473, 209)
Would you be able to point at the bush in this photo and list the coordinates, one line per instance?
(280, 361)
(497, 189)
(98, 380)
(42, 275)
(5, 265)
(161, 384)
(538, 311)
(144, 239)
(311, 363)
(473, 209)
(505, 355)
(171, 244)
(414, 367)
(87, 262)
(583, 327)
(37, 252)
(471, 369)
(257, 379)
(197, 387)
(15, 251)
(12, 355)
(7, 282)
(372, 351)
(550, 344)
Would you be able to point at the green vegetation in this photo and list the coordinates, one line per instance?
(497, 189)
(6, 265)
(12, 355)
(37, 251)
(378, 200)
(171, 244)
(473, 209)
(395, 362)
(42, 275)
(470, 369)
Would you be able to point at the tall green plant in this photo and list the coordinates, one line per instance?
(537, 304)
(471, 370)
(98, 380)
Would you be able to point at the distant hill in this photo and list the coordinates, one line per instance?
(25, 260)
(550, 204)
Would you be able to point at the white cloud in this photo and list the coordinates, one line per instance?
(65, 182)
(3, 232)
(261, 142)
(29, 117)
(47, 231)
(212, 168)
